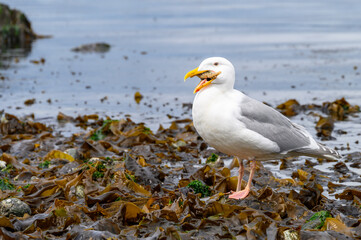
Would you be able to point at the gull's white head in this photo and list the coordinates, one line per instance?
(215, 70)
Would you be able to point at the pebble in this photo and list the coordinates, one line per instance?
(72, 152)
(2, 164)
(79, 191)
(94, 159)
(14, 206)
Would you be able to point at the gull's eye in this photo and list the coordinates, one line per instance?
(216, 63)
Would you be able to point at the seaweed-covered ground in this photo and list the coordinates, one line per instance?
(117, 179)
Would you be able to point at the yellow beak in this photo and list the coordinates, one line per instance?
(193, 73)
(202, 84)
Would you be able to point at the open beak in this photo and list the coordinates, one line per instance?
(206, 76)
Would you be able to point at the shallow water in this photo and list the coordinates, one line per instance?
(308, 51)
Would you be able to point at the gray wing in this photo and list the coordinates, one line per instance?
(271, 124)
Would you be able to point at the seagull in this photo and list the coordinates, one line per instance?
(245, 128)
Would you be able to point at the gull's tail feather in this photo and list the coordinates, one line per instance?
(321, 152)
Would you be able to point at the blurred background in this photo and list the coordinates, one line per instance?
(307, 50)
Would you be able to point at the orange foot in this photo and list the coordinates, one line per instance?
(240, 195)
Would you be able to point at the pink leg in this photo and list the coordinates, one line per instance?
(244, 193)
(240, 174)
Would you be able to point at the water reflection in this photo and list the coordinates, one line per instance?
(16, 35)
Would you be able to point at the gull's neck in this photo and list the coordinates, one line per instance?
(224, 86)
(214, 91)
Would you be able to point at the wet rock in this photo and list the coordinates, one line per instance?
(16, 31)
(14, 206)
(92, 47)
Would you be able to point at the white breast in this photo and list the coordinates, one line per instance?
(215, 119)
